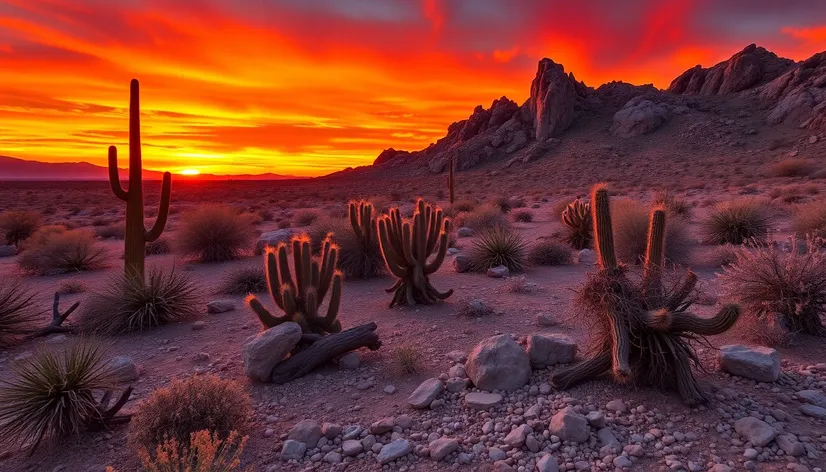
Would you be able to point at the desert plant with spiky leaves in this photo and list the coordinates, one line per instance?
(17, 313)
(643, 330)
(136, 235)
(579, 225)
(301, 296)
(359, 255)
(407, 245)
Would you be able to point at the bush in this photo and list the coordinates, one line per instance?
(355, 260)
(201, 402)
(724, 255)
(672, 204)
(52, 395)
(463, 205)
(18, 225)
(215, 233)
(111, 232)
(69, 287)
(778, 287)
(130, 304)
(519, 284)
(736, 222)
(54, 250)
(407, 359)
(497, 247)
(244, 280)
(501, 203)
(17, 314)
(523, 216)
(791, 168)
(474, 308)
(810, 219)
(306, 217)
(206, 452)
(631, 219)
(284, 224)
(547, 252)
(578, 224)
(484, 217)
(158, 247)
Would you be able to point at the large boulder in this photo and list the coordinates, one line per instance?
(124, 369)
(307, 432)
(756, 363)
(639, 116)
(570, 426)
(553, 95)
(498, 363)
(550, 349)
(799, 95)
(261, 352)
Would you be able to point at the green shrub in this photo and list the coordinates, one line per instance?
(498, 247)
(547, 252)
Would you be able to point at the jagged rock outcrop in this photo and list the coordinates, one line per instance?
(390, 154)
(799, 95)
(552, 104)
(639, 116)
(753, 66)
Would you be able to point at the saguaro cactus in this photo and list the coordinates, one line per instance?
(451, 183)
(406, 247)
(299, 297)
(361, 219)
(136, 234)
(643, 332)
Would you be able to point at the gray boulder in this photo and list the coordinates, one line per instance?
(425, 393)
(261, 352)
(498, 363)
(220, 306)
(442, 447)
(639, 116)
(756, 363)
(124, 369)
(273, 239)
(394, 450)
(307, 432)
(550, 349)
(498, 272)
(482, 401)
(757, 432)
(293, 450)
(462, 263)
(569, 425)
(815, 397)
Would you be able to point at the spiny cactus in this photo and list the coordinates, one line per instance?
(643, 332)
(136, 235)
(406, 247)
(577, 217)
(361, 219)
(451, 183)
(301, 296)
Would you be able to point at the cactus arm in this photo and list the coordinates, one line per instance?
(284, 267)
(678, 298)
(420, 235)
(433, 266)
(603, 229)
(367, 223)
(335, 300)
(328, 272)
(273, 284)
(654, 255)
(620, 348)
(163, 210)
(689, 322)
(290, 302)
(114, 177)
(354, 220)
(407, 245)
(267, 319)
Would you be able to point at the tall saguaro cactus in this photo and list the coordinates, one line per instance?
(643, 332)
(451, 182)
(406, 247)
(136, 234)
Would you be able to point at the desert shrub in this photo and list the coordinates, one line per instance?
(673, 205)
(305, 217)
(284, 224)
(18, 225)
(483, 217)
(381, 204)
(463, 205)
(130, 304)
(722, 256)
(578, 224)
(111, 232)
(69, 287)
(355, 260)
(407, 359)
(736, 222)
(499, 247)
(791, 168)
(52, 395)
(158, 247)
(205, 452)
(630, 222)
(201, 402)
(54, 250)
(266, 215)
(810, 219)
(17, 313)
(501, 203)
(244, 280)
(775, 286)
(519, 284)
(523, 216)
(214, 233)
(474, 308)
(322, 228)
(548, 252)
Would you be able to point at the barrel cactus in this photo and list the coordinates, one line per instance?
(580, 226)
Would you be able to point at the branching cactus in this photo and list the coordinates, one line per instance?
(361, 219)
(301, 295)
(407, 245)
(451, 182)
(136, 235)
(577, 218)
(643, 331)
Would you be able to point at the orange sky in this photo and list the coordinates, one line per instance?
(308, 87)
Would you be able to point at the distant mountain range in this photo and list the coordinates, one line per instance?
(20, 169)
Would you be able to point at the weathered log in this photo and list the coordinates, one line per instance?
(56, 326)
(107, 416)
(324, 350)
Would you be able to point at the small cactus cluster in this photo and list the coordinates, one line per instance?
(361, 220)
(300, 297)
(407, 245)
(577, 217)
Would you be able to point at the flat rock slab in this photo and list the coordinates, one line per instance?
(394, 450)
(757, 432)
(482, 401)
(425, 393)
(261, 352)
(498, 363)
(752, 362)
(550, 349)
(570, 426)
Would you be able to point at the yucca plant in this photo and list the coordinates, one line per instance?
(16, 312)
(55, 395)
(244, 280)
(206, 452)
(499, 247)
(736, 222)
(130, 304)
(578, 224)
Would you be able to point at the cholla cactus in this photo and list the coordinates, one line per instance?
(301, 296)
(577, 217)
(136, 236)
(406, 247)
(643, 331)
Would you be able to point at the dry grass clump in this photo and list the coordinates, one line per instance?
(111, 232)
(205, 452)
(483, 217)
(630, 222)
(810, 219)
(305, 217)
(130, 304)
(381, 204)
(474, 308)
(70, 287)
(797, 167)
(17, 312)
(407, 359)
(214, 233)
(463, 206)
(284, 224)
(501, 203)
(722, 256)
(672, 204)
(780, 288)
(158, 247)
(243, 281)
(53, 395)
(17, 226)
(737, 221)
(499, 247)
(549, 252)
(523, 216)
(53, 250)
(198, 403)
(519, 284)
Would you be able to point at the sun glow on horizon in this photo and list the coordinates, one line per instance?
(190, 172)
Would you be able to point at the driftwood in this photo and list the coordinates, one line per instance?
(324, 349)
(107, 416)
(56, 326)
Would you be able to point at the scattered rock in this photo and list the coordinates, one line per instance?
(516, 438)
(813, 411)
(124, 369)
(307, 432)
(273, 239)
(349, 361)
(331, 430)
(442, 447)
(587, 257)
(639, 116)
(462, 263)
(394, 450)
(389, 389)
(384, 425)
(7, 250)
(262, 351)
(425, 393)
(482, 401)
(550, 349)
(570, 426)
(790, 445)
(220, 306)
(464, 232)
(498, 363)
(293, 450)
(498, 272)
(617, 406)
(352, 447)
(457, 356)
(198, 325)
(546, 321)
(756, 363)
(757, 432)
(815, 397)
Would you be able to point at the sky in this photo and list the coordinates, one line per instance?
(308, 87)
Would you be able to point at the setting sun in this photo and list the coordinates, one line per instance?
(190, 172)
